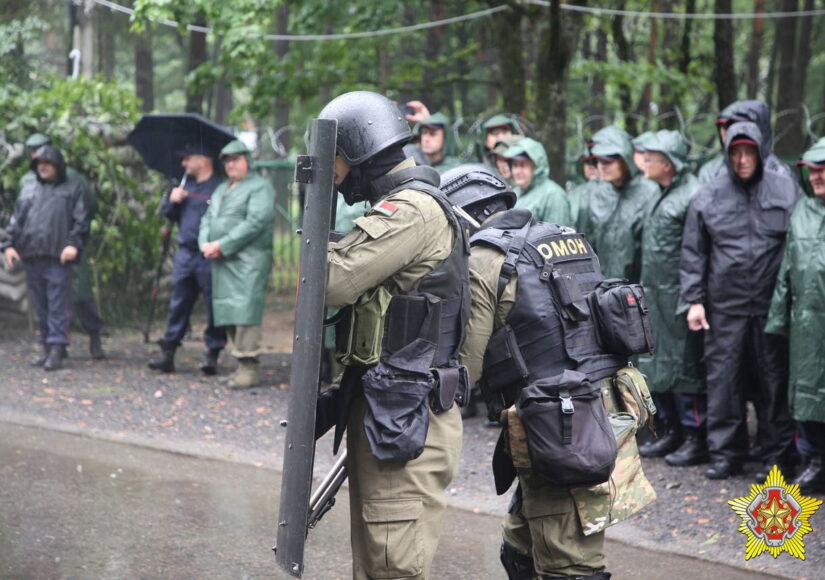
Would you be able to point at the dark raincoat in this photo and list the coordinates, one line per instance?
(756, 112)
(241, 220)
(676, 363)
(734, 236)
(798, 305)
(611, 218)
(545, 198)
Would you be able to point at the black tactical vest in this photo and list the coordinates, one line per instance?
(439, 307)
(550, 327)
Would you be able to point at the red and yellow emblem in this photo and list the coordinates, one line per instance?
(775, 517)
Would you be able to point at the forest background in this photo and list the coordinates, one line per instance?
(564, 69)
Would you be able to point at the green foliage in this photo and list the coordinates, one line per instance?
(88, 120)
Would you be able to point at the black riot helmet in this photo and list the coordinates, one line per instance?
(371, 134)
(477, 190)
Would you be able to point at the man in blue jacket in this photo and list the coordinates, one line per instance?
(192, 273)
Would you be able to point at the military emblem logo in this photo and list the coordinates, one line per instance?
(775, 517)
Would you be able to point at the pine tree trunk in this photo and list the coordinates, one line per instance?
(723, 71)
(756, 48)
(787, 98)
(145, 70)
(197, 56)
(506, 27)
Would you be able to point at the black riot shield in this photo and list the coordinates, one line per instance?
(314, 170)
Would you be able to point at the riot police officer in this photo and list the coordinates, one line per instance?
(402, 268)
(550, 530)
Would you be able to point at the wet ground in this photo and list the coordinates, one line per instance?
(75, 507)
(121, 400)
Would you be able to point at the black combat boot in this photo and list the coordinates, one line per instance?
(667, 442)
(95, 346)
(723, 469)
(694, 451)
(517, 565)
(812, 479)
(210, 363)
(41, 358)
(54, 360)
(786, 466)
(166, 362)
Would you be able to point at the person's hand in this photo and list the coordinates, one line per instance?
(12, 257)
(178, 195)
(211, 250)
(696, 318)
(68, 254)
(420, 111)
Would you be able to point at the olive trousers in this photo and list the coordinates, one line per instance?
(545, 525)
(396, 507)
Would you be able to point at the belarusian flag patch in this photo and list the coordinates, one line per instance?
(385, 208)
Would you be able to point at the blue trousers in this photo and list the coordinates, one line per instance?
(49, 283)
(687, 410)
(191, 276)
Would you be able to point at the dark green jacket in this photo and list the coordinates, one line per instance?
(798, 309)
(611, 218)
(676, 363)
(545, 198)
(241, 220)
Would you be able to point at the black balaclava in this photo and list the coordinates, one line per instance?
(483, 210)
(356, 187)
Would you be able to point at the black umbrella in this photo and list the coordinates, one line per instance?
(160, 138)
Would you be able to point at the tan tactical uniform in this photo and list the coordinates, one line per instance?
(395, 507)
(562, 530)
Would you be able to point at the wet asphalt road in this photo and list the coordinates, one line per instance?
(78, 507)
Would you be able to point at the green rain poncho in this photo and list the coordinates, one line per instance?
(544, 197)
(676, 364)
(798, 305)
(241, 220)
(448, 161)
(611, 217)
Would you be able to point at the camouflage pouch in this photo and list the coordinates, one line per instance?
(625, 493)
(358, 336)
(517, 440)
(634, 395)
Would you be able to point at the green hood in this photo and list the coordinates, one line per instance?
(614, 141)
(37, 140)
(672, 145)
(237, 147)
(535, 151)
(499, 120)
(443, 121)
(815, 155)
(504, 144)
(640, 142)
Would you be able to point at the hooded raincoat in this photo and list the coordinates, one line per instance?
(448, 161)
(545, 198)
(734, 236)
(612, 217)
(241, 220)
(757, 112)
(798, 305)
(494, 121)
(676, 364)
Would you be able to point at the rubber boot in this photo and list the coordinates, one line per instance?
(166, 362)
(667, 442)
(247, 375)
(694, 451)
(54, 360)
(210, 362)
(41, 358)
(96, 346)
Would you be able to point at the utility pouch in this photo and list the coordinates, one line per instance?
(569, 438)
(622, 317)
(634, 396)
(359, 334)
(505, 371)
(397, 390)
(451, 385)
(405, 320)
(570, 297)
